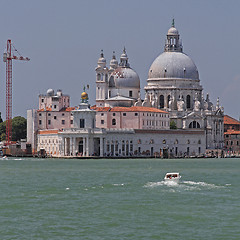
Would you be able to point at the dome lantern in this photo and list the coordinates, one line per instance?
(173, 43)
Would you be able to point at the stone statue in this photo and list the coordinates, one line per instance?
(197, 104)
(180, 104)
(170, 103)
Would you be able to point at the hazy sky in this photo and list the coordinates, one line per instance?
(64, 40)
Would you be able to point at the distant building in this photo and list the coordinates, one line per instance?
(231, 135)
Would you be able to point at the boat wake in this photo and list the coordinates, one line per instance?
(183, 185)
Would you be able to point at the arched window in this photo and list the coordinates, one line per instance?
(99, 77)
(188, 101)
(113, 121)
(194, 124)
(161, 101)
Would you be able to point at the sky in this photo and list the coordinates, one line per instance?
(64, 39)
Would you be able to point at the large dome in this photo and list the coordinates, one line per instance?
(124, 77)
(173, 65)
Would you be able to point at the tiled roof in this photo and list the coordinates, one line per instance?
(137, 109)
(48, 131)
(68, 109)
(100, 109)
(230, 120)
(232, 132)
(43, 110)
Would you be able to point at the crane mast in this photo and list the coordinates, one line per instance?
(7, 57)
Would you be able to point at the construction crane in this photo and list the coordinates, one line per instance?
(8, 56)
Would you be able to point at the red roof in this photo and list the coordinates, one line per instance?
(230, 120)
(232, 132)
(48, 131)
(137, 109)
(68, 109)
(100, 109)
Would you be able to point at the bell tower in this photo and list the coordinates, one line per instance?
(101, 81)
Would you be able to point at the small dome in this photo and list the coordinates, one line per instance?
(102, 60)
(50, 92)
(124, 77)
(84, 96)
(113, 62)
(172, 31)
(173, 65)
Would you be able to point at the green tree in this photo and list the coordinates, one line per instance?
(2, 131)
(173, 125)
(19, 129)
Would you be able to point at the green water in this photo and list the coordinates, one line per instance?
(119, 199)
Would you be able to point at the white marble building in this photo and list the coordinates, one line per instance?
(121, 124)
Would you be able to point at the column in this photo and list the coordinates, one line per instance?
(74, 146)
(65, 146)
(71, 143)
(84, 146)
(101, 147)
(87, 146)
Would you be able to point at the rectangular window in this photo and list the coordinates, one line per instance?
(40, 122)
(49, 122)
(130, 93)
(82, 123)
(124, 114)
(63, 122)
(71, 121)
(42, 99)
(102, 121)
(55, 117)
(114, 114)
(55, 106)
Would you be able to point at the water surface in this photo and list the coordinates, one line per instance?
(119, 199)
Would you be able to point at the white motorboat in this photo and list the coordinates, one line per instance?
(172, 177)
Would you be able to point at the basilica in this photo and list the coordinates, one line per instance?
(173, 119)
(173, 85)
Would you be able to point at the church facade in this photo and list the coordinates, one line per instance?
(173, 85)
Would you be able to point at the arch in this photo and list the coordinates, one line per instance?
(194, 124)
(188, 105)
(161, 101)
(114, 121)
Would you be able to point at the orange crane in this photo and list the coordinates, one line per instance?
(7, 58)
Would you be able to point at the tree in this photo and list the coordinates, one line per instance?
(173, 125)
(19, 129)
(2, 131)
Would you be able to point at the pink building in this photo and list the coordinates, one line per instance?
(132, 117)
(54, 111)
